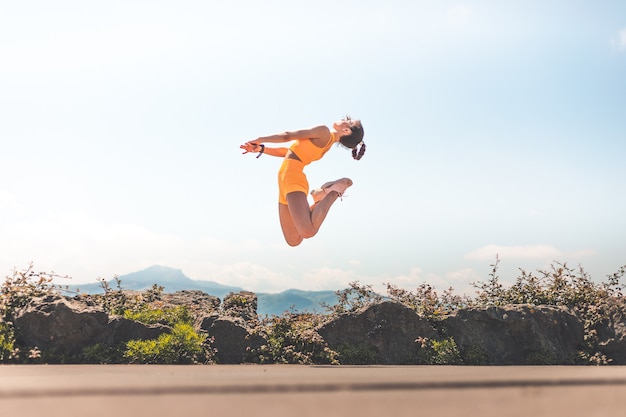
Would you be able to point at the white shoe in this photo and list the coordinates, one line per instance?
(338, 186)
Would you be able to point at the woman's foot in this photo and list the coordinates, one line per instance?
(339, 186)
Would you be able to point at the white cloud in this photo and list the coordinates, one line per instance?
(247, 275)
(489, 252)
(413, 279)
(461, 280)
(72, 243)
(325, 278)
(84, 248)
(545, 253)
(417, 276)
(76, 244)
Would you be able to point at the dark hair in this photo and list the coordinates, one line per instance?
(353, 140)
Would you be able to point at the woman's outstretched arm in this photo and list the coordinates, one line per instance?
(255, 147)
(317, 132)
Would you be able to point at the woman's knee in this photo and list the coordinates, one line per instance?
(293, 241)
(308, 232)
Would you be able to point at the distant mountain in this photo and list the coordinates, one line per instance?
(301, 301)
(173, 280)
(170, 279)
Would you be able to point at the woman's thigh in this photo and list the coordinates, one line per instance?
(290, 231)
(301, 213)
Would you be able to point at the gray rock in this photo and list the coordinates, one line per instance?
(64, 325)
(241, 304)
(612, 332)
(196, 301)
(56, 322)
(230, 337)
(383, 333)
(121, 330)
(389, 329)
(515, 334)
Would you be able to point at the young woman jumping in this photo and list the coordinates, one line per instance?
(298, 220)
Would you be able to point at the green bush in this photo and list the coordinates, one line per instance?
(7, 342)
(182, 346)
(167, 315)
(474, 355)
(102, 354)
(445, 352)
(438, 352)
(426, 301)
(542, 357)
(361, 354)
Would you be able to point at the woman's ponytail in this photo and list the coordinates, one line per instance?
(358, 151)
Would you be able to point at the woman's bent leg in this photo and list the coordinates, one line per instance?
(307, 220)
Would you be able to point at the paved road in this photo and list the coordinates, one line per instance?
(290, 390)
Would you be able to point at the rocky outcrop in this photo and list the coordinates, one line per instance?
(196, 301)
(231, 338)
(611, 332)
(66, 326)
(61, 324)
(242, 304)
(383, 333)
(389, 329)
(516, 334)
(230, 332)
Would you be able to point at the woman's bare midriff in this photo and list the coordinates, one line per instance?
(291, 155)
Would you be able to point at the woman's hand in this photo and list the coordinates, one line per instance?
(250, 147)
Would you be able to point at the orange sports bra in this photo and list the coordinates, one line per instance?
(307, 152)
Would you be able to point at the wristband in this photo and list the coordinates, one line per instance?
(261, 151)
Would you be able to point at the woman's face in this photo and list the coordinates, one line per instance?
(342, 124)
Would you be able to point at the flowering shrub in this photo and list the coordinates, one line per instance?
(15, 292)
(560, 285)
(292, 339)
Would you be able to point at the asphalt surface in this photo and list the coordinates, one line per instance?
(292, 390)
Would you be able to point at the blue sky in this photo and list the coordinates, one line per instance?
(493, 128)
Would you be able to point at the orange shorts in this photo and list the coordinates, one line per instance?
(291, 178)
